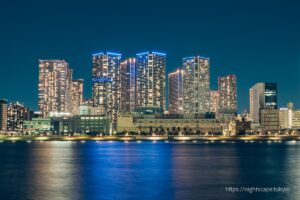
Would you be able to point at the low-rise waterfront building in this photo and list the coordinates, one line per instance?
(92, 124)
(38, 125)
(88, 124)
(66, 125)
(63, 125)
(175, 124)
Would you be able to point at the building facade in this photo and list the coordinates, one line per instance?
(256, 101)
(262, 96)
(107, 84)
(55, 86)
(92, 124)
(77, 95)
(82, 124)
(16, 115)
(65, 125)
(214, 101)
(38, 125)
(62, 125)
(168, 123)
(227, 108)
(269, 119)
(296, 119)
(196, 84)
(175, 92)
(128, 85)
(289, 118)
(236, 127)
(151, 80)
(3, 115)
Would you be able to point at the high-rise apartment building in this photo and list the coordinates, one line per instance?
(227, 97)
(107, 84)
(214, 101)
(128, 85)
(16, 115)
(77, 95)
(196, 84)
(262, 96)
(151, 80)
(55, 86)
(175, 92)
(3, 115)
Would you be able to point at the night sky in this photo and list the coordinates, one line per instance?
(257, 40)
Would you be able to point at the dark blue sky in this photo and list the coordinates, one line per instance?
(257, 40)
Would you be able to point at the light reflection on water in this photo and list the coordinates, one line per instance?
(52, 168)
(146, 170)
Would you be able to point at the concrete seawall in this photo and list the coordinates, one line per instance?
(148, 138)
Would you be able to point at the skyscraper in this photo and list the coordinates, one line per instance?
(175, 92)
(214, 100)
(3, 115)
(77, 95)
(271, 95)
(107, 84)
(196, 84)
(227, 97)
(128, 85)
(151, 80)
(55, 86)
(262, 96)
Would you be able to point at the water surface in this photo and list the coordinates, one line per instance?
(147, 170)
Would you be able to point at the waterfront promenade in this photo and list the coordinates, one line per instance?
(150, 138)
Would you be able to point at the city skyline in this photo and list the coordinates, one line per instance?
(125, 92)
(121, 60)
(142, 100)
(243, 46)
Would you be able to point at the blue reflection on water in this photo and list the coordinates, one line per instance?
(146, 170)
